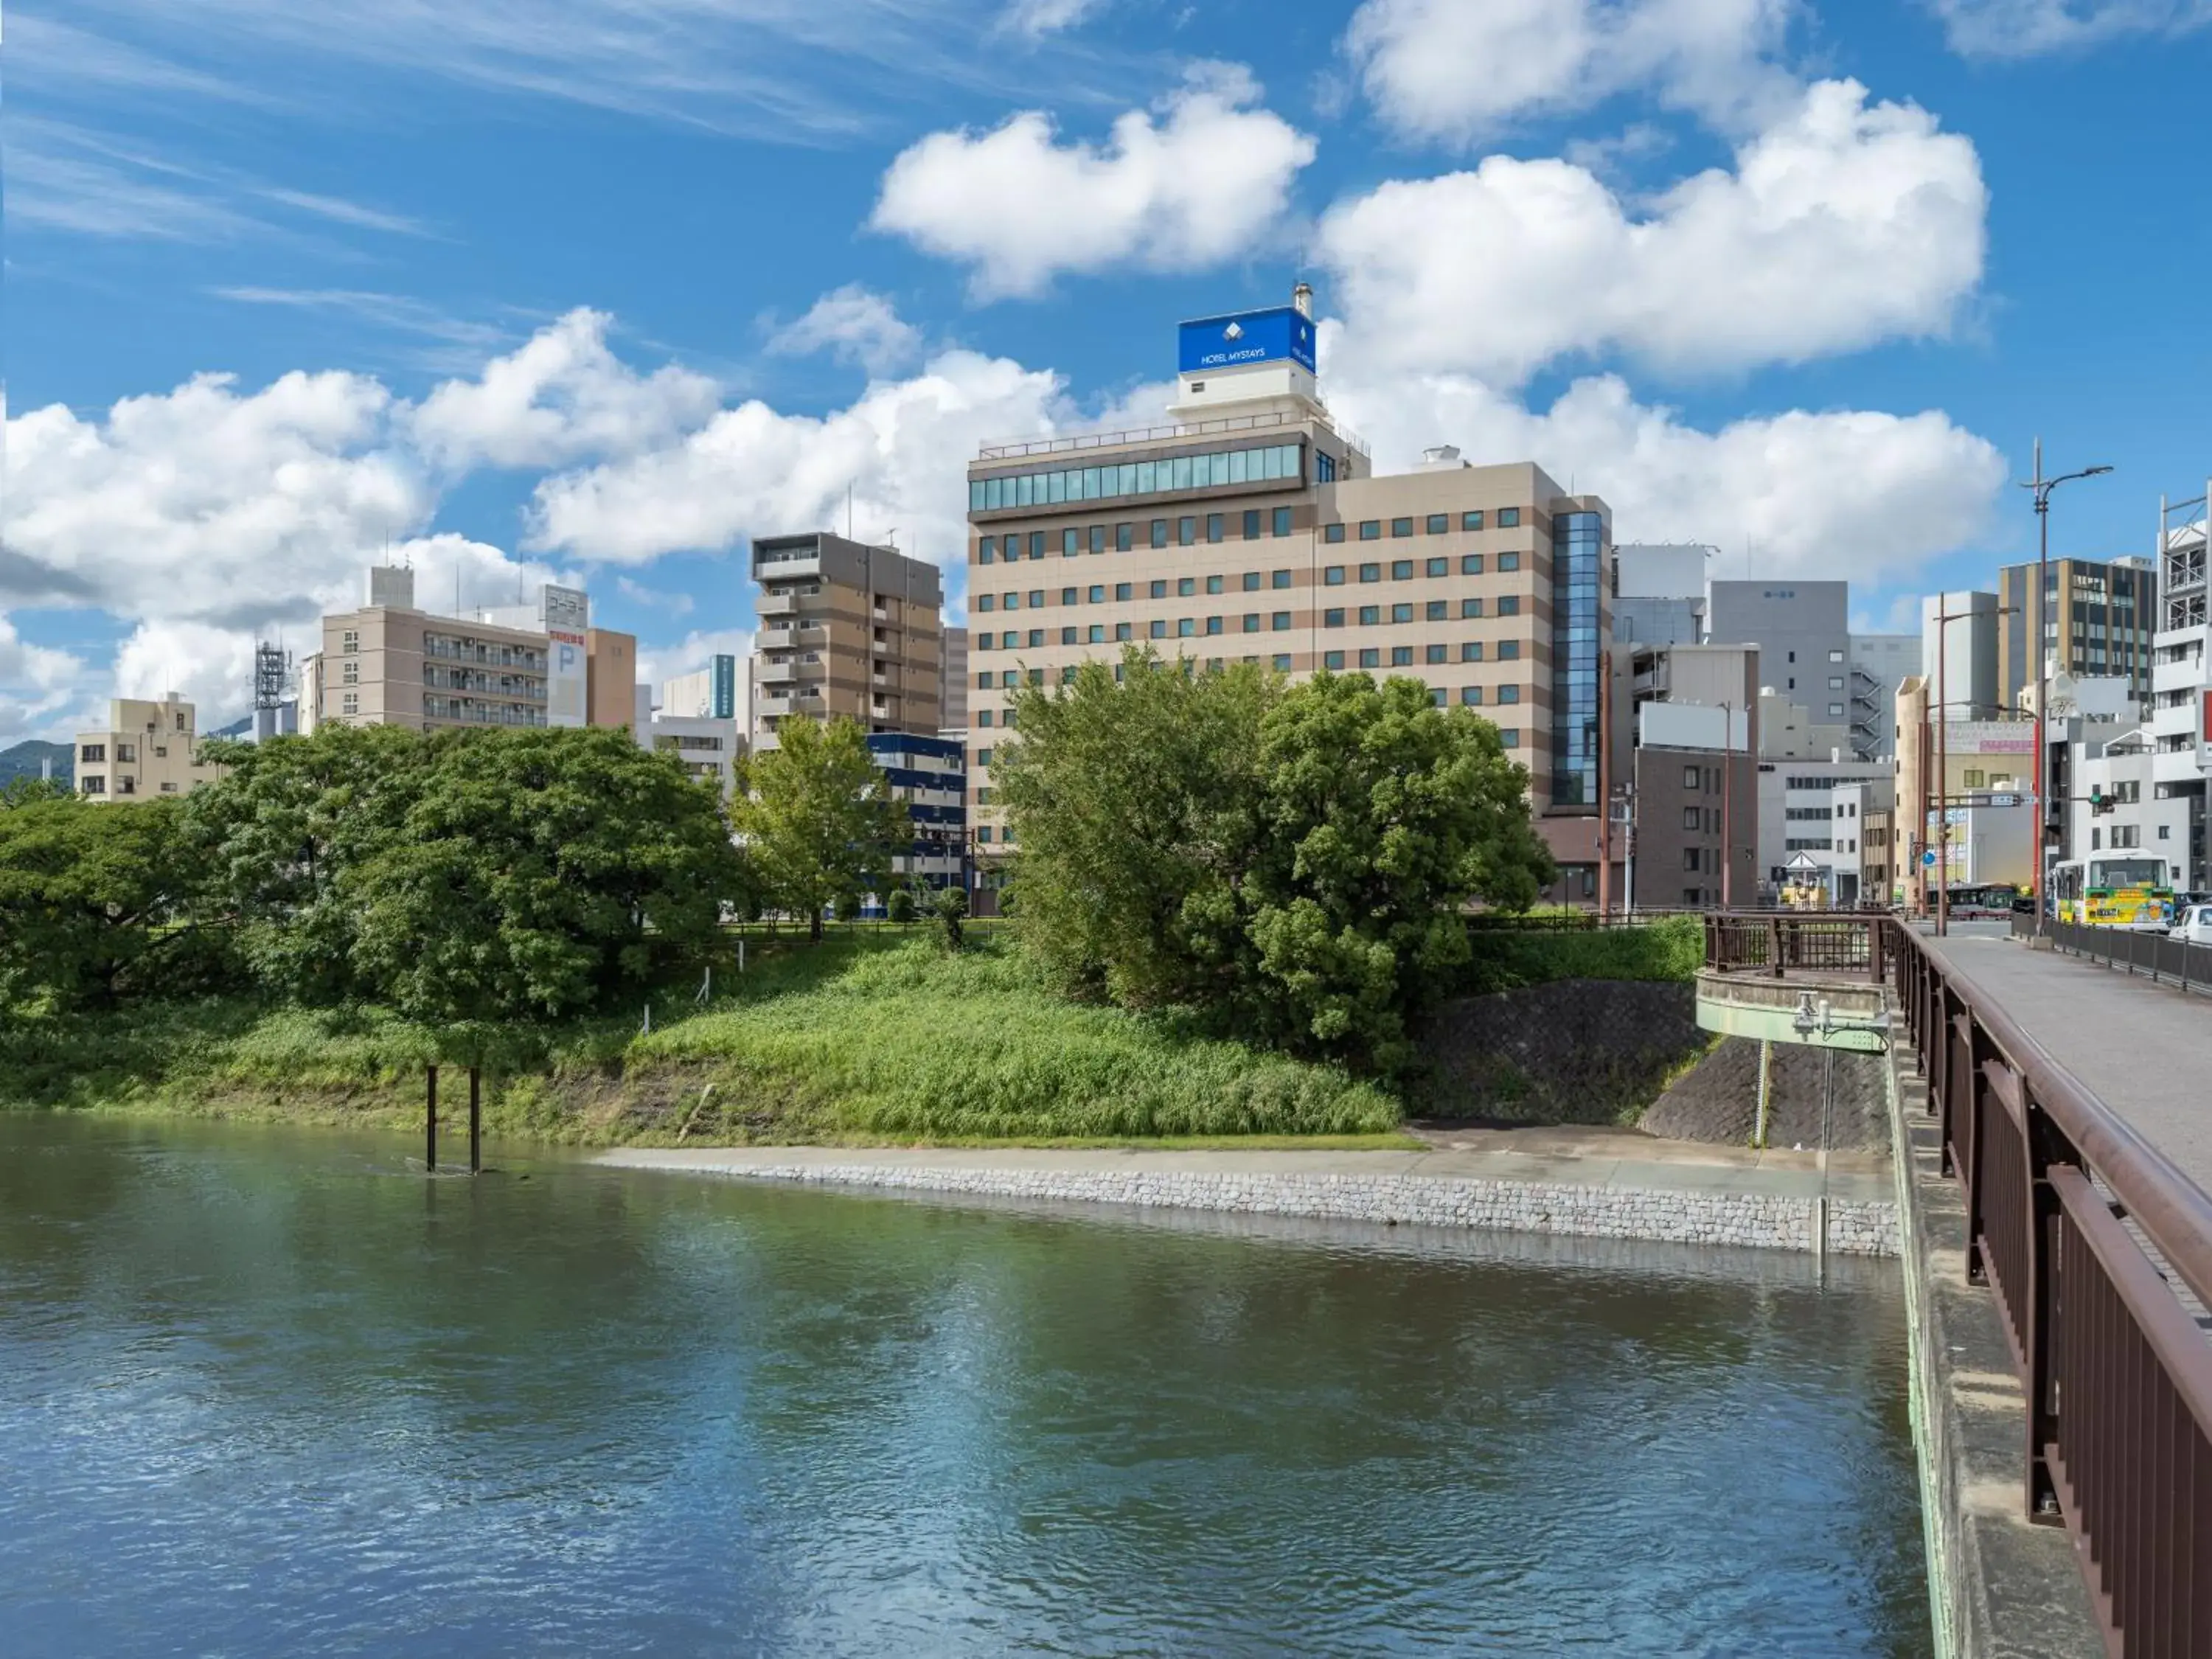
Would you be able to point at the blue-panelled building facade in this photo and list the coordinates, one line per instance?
(929, 774)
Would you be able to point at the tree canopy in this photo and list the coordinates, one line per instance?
(818, 818)
(1292, 859)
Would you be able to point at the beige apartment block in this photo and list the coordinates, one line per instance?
(149, 749)
(1254, 530)
(845, 629)
(390, 663)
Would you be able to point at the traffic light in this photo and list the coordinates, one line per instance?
(2098, 801)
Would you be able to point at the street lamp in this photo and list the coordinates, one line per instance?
(2042, 487)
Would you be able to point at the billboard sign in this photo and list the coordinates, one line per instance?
(724, 706)
(566, 676)
(565, 610)
(1283, 334)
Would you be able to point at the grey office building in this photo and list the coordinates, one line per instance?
(1802, 630)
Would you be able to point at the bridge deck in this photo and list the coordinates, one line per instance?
(2146, 1050)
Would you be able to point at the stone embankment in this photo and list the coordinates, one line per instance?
(1738, 1198)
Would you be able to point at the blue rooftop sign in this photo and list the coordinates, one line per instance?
(1282, 332)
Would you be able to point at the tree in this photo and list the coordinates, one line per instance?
(1380, 815)
(819, 819)
(948, 908)
(900, 907)
(97, 903)
(1130, 800)
(538, 872)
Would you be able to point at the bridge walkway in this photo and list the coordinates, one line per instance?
(2144, 1049)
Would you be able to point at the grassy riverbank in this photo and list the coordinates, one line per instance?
(860, 1039)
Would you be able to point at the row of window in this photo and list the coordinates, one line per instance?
(478, 714)
(1401, 656)
(1509, 604)
(1470, 696)
(467, 679)
(94, 784)
(1271, 463)
(495, 654)
(1076, 539)
(1434, 524)
(1184, 628)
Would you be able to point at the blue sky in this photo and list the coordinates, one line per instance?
(600, 288)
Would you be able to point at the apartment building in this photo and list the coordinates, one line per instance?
(151, 749)
(541, 664)
(845, 629)
(953, 682)
(2099, 618)
(1254, 529)
(929, 776)
(1694, 773)
(704, 746)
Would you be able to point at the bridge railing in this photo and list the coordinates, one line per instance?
(2168, 961)
(2061, 1195)
(1779, 943)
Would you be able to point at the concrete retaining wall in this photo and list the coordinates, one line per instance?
(1760, 1221)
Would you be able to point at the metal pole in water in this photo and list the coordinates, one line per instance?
(475, 1126)
(430, 1125)
(1827, 1107)
(1765, 1063)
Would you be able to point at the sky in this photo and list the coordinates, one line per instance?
(596, 291)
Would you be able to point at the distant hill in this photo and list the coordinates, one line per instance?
(22, 761)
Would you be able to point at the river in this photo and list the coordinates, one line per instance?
(268, 1392)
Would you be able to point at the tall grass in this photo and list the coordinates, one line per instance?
(1670, 948)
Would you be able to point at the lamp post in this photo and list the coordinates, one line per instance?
(2042, 487)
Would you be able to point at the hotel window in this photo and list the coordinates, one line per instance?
(1334, 532)
(1251, 622)
(1067, 636)
(1470, 607)
(1010, 601)
(1402, 570)
(1159, 533)
(1438, 523)
(1331, 619)
(1371, 530)
(1509, 737)
(1471, 695)
(351, 673)
(983, 718)
(1037, 598)
(1251, 581)
(1509, 561)
(1123, 630)
(1509, 650)
(1332, 660)
(1251, 524)
(1401, 527)
(1159, 629)
(350, 703)
(1283, 664)
(1159, 589)
(1011, 678)
(1370, 615)
(1470, 520)
(1471, 652)
(1401, 613)
(1186, 628)
(1278, 579)
(1122, 590)
(1471, 565)
(1098, 538)
(1036, 543)
(1213, 526)
(1438, 567)
(1371, 573)
(1509, 604)
(1186, 532)
(1509, 694)
(1009, 640)
(1037, 638)
(1332, 575)
(1436, 696)
(1436, 610)
(1213, 624)
(1508, 517)
(1281, 526)
(1436, 653)
(986, 549)
(1370, 657)
(350, 641)
(1095, 594)
(983, 831)
(1124, 536)
(1213, 584)
(1282, 620)
(988, 601)
(1071, 542)
(984, 682)
(1401, 656)
(1067, 595)
(1185, 586)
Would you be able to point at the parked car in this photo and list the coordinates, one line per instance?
(2193, 925)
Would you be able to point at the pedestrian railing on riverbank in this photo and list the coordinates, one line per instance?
(2166, 961)
(2080, 1228)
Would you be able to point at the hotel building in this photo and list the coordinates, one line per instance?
(1255, 529)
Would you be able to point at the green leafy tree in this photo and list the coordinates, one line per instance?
(539, 872)
(1380, 817)
(1130, 803)
(948, 908)
(819, 819)
(98, 903)
(899, 907)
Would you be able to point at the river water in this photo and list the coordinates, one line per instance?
(270, 1392)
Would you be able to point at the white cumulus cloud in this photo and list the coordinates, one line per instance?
(562, 395)
(1195, 183)
(855, 323)
(1844, 224)
(1455, 70)
(903, 447)
(36, 682)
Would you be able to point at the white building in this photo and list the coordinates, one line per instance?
(1797, 801)
(1958, 653)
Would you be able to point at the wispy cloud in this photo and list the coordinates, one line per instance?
(337, 208)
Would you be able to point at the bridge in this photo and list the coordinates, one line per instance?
(2062, 1116)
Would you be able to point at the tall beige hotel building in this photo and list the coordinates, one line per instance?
(1255, 529)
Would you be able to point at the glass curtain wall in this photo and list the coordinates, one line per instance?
(1577, 567)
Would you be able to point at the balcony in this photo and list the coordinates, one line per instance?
(778, 605)
(776, 570)
(774, 673)
(773, 704)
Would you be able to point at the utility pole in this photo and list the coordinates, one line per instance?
(1727, 799)
(1604, 785)
(2041, 486)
